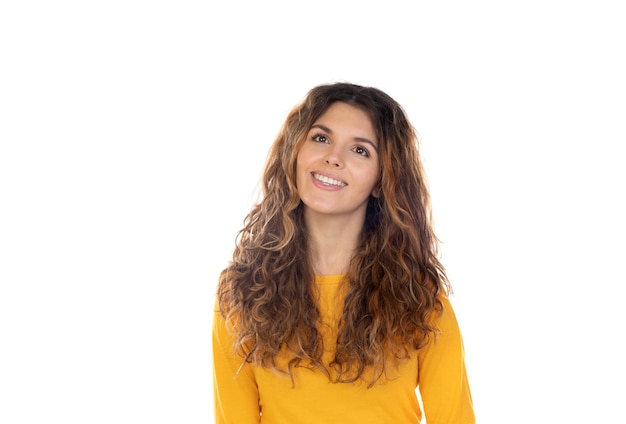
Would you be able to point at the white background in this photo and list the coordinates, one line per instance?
(133, 135)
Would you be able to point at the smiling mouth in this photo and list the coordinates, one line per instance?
(329, 181)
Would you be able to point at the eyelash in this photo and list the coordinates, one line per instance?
(316, 138)
(365, 152)
(360, 150)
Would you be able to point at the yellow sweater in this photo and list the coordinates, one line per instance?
(257, 395)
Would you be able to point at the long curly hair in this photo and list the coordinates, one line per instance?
(395, 280)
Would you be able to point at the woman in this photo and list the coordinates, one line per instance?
(335, 306)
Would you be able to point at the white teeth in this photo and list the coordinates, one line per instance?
(329, 181)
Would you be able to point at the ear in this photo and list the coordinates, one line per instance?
(377, 191)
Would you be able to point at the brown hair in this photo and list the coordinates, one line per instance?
(395, 279)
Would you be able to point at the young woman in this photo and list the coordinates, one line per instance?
(335, 306)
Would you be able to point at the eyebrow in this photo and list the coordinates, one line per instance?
(361, 139)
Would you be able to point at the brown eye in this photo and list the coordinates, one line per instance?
(320, 138)
(361, 151)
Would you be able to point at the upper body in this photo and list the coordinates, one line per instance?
(257, 395)
(344, 194)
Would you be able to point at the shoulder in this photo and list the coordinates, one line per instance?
(446, 324)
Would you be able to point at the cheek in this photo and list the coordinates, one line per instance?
(300, 159)
(303, 160)
(372, 176)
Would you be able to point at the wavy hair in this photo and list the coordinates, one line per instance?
(395, 280)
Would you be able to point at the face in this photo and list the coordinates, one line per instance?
(337, 165)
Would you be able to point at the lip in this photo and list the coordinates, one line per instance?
(323, 186)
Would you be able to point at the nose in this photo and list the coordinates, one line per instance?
(332, 162)
(334, 158)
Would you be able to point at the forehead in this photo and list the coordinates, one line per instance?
(346, 116)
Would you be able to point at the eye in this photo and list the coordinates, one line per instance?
(320, 138)
(361, 151)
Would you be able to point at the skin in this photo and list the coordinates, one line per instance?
(341, 149)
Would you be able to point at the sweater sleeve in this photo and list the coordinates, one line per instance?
(442, 377)
(235, 394)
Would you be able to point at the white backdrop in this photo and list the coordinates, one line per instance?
(133, 134)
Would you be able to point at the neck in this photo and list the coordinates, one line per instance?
(332, 242)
